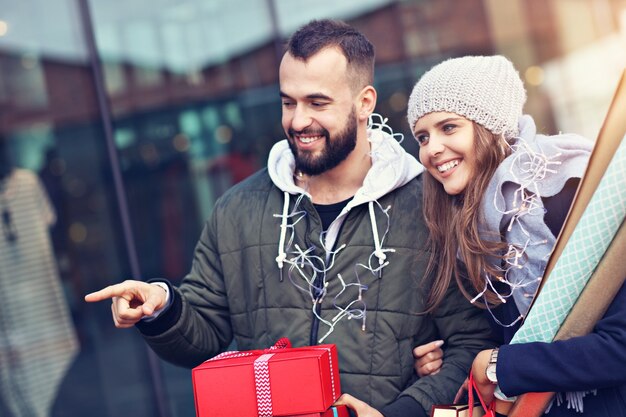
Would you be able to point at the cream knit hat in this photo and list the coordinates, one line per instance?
(484, 89)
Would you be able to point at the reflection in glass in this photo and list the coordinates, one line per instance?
(191, 90)
(35, 321)
(10, 233)
(61, 230)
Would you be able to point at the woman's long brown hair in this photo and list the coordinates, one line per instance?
(453, 222)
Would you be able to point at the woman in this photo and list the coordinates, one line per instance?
(496, 195)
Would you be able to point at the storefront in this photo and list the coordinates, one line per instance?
(126, 120)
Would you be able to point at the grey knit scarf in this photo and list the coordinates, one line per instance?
(513, 210)
(514, 213)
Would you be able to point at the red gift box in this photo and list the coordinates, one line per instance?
(280, 381)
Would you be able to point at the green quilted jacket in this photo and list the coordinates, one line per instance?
(370, 282)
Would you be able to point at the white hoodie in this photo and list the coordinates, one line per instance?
(392, 167)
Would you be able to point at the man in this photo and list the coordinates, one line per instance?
(325, 245)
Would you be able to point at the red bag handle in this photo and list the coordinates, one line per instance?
(490, 411)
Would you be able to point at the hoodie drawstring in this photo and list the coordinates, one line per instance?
(378, 252)
(280, 259)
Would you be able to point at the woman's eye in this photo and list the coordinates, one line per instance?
(448, 128)
(422, 139)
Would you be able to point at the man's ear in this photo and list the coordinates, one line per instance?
(366, 102)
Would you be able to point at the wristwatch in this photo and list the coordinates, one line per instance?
(490, 370)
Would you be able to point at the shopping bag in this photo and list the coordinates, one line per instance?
(471, 409)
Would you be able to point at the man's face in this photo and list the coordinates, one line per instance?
(335, 149)
(319, 113)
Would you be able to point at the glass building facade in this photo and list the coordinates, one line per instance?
(122, 122)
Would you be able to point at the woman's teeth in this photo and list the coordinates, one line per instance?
(447, 166)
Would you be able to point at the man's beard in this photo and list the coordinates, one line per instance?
(335, 150)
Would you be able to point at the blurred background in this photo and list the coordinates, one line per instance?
(122, 121)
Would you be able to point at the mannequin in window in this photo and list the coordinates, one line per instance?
(37, 337)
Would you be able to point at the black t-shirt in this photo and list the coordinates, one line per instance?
(329, 212)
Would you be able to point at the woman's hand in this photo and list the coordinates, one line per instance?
(428, 358)
(361, 408)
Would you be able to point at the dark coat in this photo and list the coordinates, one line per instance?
(595, 361)
(235, 290)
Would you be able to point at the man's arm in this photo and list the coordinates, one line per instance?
(196, 326)
(465, 331)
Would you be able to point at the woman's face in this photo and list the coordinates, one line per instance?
(447, 144)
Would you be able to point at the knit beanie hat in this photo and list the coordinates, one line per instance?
(484, 89)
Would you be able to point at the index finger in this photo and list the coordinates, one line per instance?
(421, 350)
(111, 291)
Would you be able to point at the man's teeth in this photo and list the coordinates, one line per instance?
(308, 139)
(447, 166)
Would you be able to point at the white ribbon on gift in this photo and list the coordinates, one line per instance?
(262, 385)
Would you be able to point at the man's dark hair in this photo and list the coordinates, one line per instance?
(320, 34)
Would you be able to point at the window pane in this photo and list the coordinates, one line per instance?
(187, 83)
(61, 229)
(192, 88)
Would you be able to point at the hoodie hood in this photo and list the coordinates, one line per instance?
(392, 166)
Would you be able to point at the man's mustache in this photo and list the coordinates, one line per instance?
(315, 132)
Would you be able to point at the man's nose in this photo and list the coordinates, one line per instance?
(301, 119)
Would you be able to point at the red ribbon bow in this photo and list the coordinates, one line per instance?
(282, 343)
